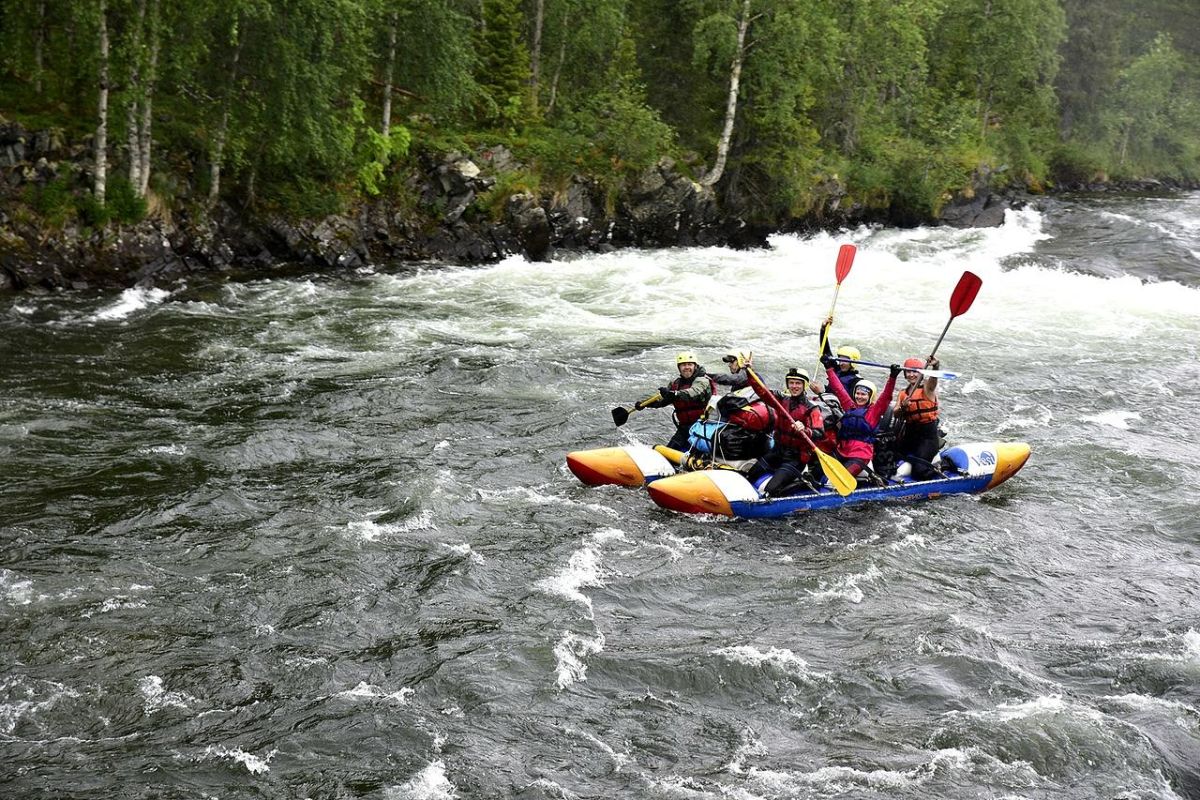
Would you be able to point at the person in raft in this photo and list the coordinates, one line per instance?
(860, 418)
(791, 454)
(737, 378)
(915, 418)
(847, 371)
(689, 394)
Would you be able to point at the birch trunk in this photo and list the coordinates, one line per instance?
(535, 54)
(562, 57)
(98, 187)
(218, 146)
(135, 89)
(387, 78)
(144, 138)
(735, 77)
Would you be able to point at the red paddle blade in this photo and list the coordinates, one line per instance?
(964, 293)
(844, 261)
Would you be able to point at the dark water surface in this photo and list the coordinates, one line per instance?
(314, 537)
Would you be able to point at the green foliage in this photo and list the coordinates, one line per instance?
(507, 184)
(901, 100)
(504, 62)
(122, 202)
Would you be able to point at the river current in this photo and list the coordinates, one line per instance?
(312, 535)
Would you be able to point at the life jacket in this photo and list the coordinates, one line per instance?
(854, 425)
(689, 409)
(920, 408)
(806, 413)
(848, 380)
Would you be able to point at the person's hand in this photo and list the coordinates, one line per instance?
(829, 362)
(895, 369)
(933, 363)
(666, 393)
(798, 426)
(828, 321)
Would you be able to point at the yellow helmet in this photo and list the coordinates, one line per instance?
(739, 357)
(849, 352)
(685, 357)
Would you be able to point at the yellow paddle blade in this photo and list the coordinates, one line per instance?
(839, 477)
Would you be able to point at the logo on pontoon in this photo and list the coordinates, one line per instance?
(987, 458)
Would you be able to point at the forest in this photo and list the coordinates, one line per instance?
(308, 107)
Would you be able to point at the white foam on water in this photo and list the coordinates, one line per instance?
(112, 604)
(1191, 641)
(569, 655)
(370, 531)
(975, 385)
(464, 550)
(24, 311)
(845, 588)
(1025, 417)
(1113, 419)
(14, 590)
(25, 697)
(584, 568)
(750, 746)
(130, 302)
(619, 759)
(255, 765)
(1145, 701)
(430, 783)
(164, 450)
(913, 541)
(778, 657)
(367, 691)
(843, 779)
(156, 697)
(1051, 705)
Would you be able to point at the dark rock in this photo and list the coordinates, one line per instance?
(530, 226)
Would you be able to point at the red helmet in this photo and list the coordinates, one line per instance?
(914, 363)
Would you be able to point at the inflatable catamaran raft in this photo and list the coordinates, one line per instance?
(968, 469)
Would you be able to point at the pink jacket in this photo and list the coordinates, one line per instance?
(856, 448)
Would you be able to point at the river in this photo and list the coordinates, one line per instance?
(312, 535)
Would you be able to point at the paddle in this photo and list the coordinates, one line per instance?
(839, 477)
(960, 301)
(928, 373)
(845, 260)
(621, 415)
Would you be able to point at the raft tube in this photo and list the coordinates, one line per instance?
(628, 465)
(969, 468)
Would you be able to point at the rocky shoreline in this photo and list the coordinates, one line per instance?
(662, 208)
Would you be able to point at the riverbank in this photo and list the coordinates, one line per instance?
(456, 210)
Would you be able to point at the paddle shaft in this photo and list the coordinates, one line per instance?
(929, 373)
(845, 261)
(839, 477)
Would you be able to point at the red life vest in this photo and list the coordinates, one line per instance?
(806, 414)
(689, 409)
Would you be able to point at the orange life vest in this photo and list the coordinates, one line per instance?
(919, 408)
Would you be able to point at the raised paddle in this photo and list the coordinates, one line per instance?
(960, 301)
(845, 260)
(621, 414)
(839, 477)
